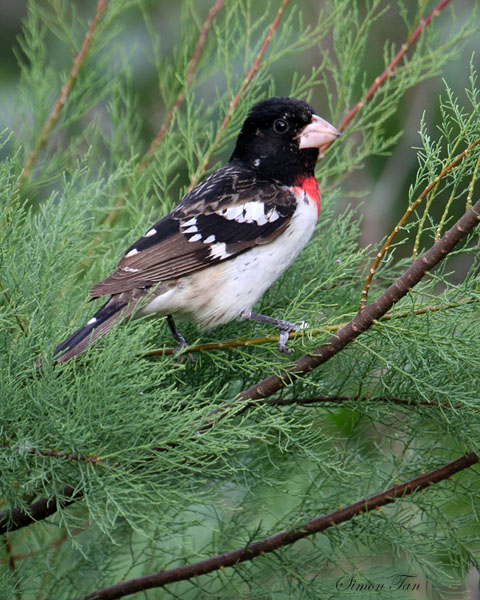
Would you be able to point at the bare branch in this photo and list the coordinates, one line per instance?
(390, 70)
(234, 103)
(273, 339)
(407, 214)
(62, 99)
(202, 38)
(284, 538)
(17, 518)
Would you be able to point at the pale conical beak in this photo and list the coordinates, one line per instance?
(317, 133)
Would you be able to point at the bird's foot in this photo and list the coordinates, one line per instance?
(182, 342)
(181, 358)
(285, 328)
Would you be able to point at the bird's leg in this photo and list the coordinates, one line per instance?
(285, 328)
(177, 336)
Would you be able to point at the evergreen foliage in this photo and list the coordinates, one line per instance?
(162, 480)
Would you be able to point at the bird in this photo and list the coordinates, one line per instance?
(217, 252)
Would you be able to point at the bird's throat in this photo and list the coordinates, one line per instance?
(308, 184)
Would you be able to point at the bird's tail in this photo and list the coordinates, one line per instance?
(114, 310)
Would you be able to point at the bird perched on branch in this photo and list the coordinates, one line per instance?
(228, 239)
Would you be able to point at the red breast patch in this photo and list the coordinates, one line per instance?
(309, 185)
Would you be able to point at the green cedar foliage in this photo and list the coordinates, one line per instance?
(159, 488)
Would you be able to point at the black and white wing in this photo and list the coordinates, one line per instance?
(228, 213)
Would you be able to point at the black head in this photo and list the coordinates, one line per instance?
(280, 139)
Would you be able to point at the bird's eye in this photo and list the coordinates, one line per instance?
(280, 126)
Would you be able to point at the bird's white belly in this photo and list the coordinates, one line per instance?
(220, 293)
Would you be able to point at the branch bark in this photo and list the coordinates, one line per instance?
(66, 89)
(42, 509)
(16, 518)
(202, 38)
(234, 103)
(371, 313)
(284, 538)
(390, 70)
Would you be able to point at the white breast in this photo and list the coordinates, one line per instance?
(228, 290)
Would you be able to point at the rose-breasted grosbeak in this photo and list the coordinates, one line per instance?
(229, 239)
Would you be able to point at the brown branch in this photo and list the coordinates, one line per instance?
(67, 455)
(267, 387)
(219, 4)
(390, 70)
(371, 313)
(49, 123)
(284, 538)
(202, 38)
(406, 215)
(62, 99)
(272, 338)
(89, 458)
(234, 103)
(16, 518)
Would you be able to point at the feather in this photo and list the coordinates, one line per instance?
(224, 216)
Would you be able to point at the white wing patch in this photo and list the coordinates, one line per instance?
(150, 233)
(219, 250)
(131, 253)
(250, 212)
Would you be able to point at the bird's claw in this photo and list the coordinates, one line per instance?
(282, 342)
(181, 358)
(285, 334)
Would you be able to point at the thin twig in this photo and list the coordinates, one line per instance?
(62, 99)
(468, 203)
(360, 398)
(284, 538)
(67, 456)
(272, 338)
(50, 122)
(52, 545)
(234, 103)
(202, 38)
(90, 458)
(371, 313)
(390, 70)
(16, 518)
(406, 215)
